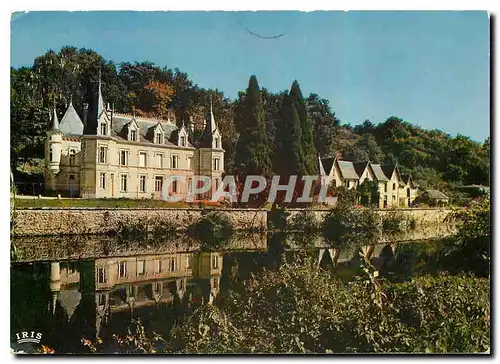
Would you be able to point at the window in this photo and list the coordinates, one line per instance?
(172, 265)
(51, 156)
(174, 186)
(183, 141)
(104, 129)
(385, 187)
(188, 262)
(157, 287)
(101, 275)
(215, 262)
(158, 184)
(133, 135)
(217, 142)
(122, 269)
(190, 185)
(142, 159)
(216, 164)
(142, 183)
(158, 138)
(72, 157)
(141, 267)
(393, 186)
(123, 157)
(103, 181)
(158, 266)
(102, 300)
(216, 184)
(123, 183)
(216, 283)
(181, 285)
(175, 161)
(102, 154)
(159, 160)
(190, 163)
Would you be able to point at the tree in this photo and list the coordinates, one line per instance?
(288, 155)
(324, 123)
(307, 130)
(252, 150)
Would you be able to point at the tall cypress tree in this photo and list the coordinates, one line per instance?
(252, 150)
(288, 158)
(307, 135)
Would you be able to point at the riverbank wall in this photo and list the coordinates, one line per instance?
(94, 221)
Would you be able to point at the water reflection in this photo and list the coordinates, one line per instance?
(67, 298)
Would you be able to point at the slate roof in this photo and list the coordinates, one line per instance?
(71, 124)
(210, 129)
(379, 173)
(405, 177)
(146, 129)
(388, 169)
(360, 167)
(436, 194)
(328, 164)
(347, 170)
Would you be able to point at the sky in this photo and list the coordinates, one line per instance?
(429, 68)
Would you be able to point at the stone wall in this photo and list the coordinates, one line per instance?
(57, 248)
(423, 217)
(72, 221)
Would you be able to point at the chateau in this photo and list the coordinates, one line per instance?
(394, 189)
(128, 156)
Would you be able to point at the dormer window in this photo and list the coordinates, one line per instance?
(158, 138)
(217, 142)
(104, 129)
(183, 141)
(133, 135)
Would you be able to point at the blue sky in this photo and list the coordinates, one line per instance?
(429, 68)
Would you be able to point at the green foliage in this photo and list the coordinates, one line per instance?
(207, 331)
(306, 139)
(252, 150)
(368, 193)
(325, 123)
(347, 225)
(300, 309)
(279, 126)
(472, 243)
(288, 154)
(135, 341)
(213, 229)
(306, 222)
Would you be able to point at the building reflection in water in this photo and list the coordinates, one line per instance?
(129, 284)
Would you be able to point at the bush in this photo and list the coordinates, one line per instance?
(301, 309)
(213, 229)
(349, 225)
(305, 222)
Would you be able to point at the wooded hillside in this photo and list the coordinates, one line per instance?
(263, 132)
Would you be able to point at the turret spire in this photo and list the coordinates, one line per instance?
(55, 120)
(213, 126)
(100, 102)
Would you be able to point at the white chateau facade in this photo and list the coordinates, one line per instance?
(126, 156)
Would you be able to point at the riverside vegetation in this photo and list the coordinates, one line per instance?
(298, 307)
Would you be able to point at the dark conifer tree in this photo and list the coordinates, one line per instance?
(288, 157)
(252, 150)
(307, 128)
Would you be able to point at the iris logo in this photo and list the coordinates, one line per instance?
(28, 337)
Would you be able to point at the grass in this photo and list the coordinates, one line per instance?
(99, 203)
